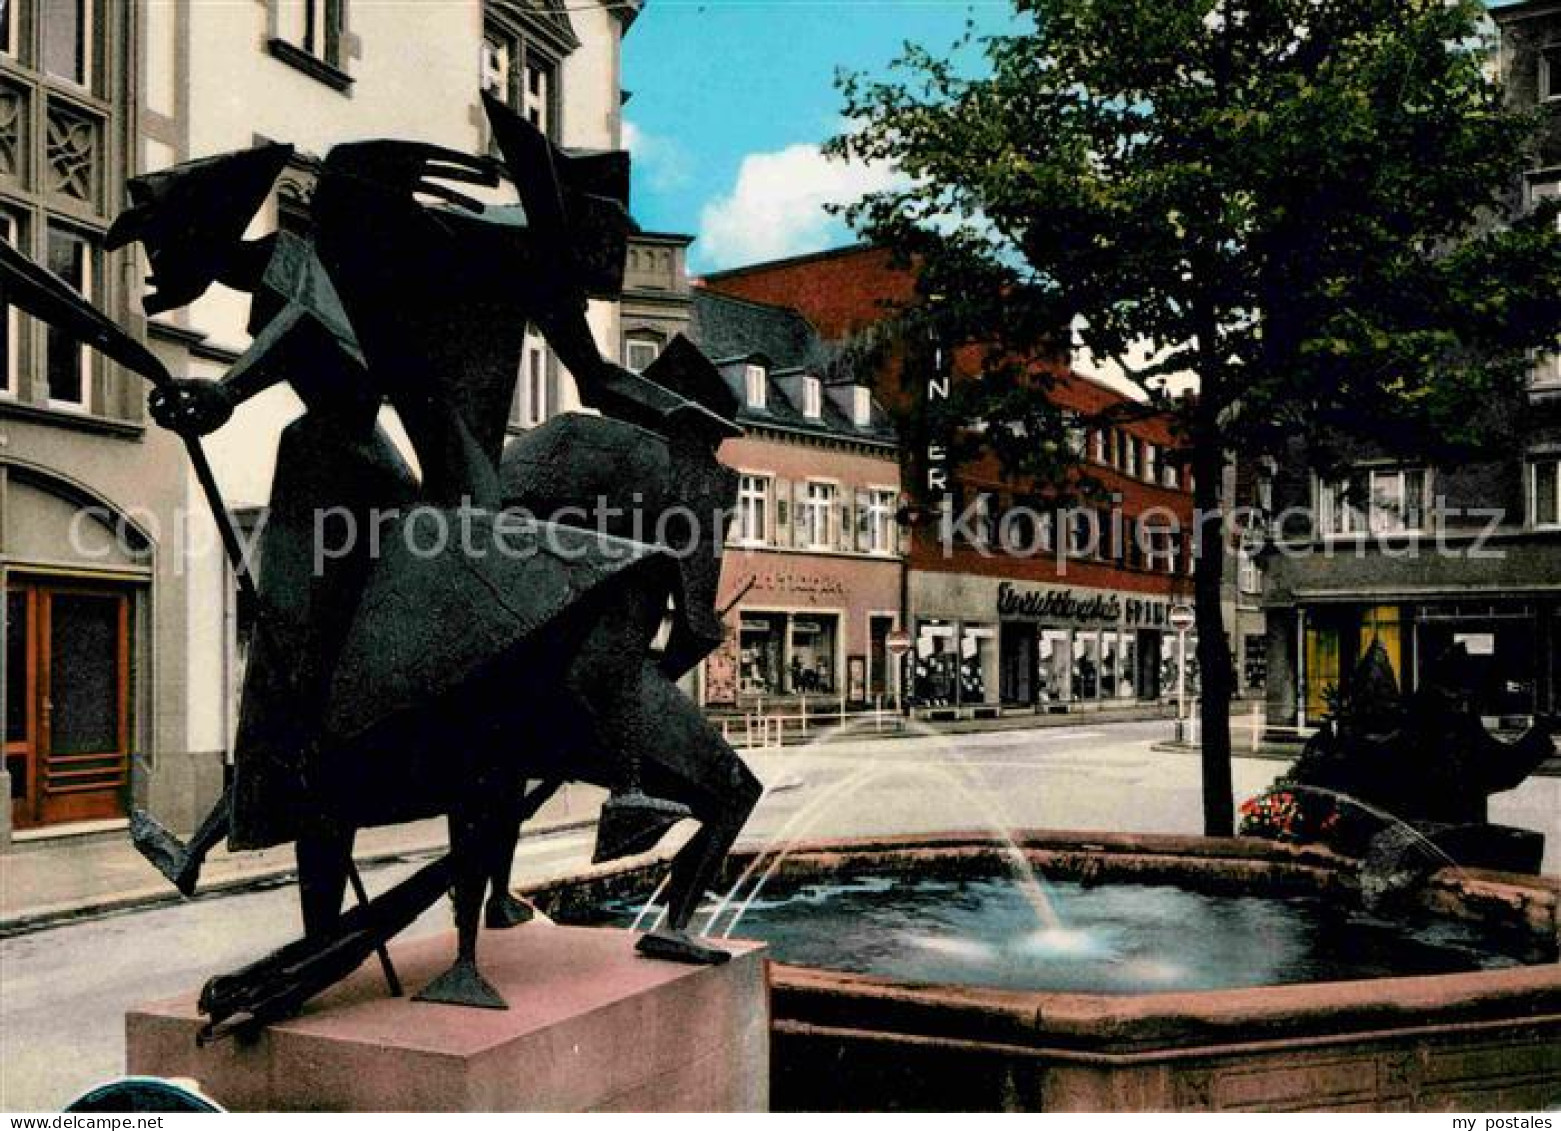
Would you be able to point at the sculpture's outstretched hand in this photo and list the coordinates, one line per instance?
(412, 169)
(191, 408)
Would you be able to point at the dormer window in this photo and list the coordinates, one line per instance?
(639, 351)
(753, 382)
(862, 406)
(812, 398)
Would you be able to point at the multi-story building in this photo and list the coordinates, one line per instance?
(657, 299)
(120, 667)
(1419, 557)
(1038, 598)
(811, 574)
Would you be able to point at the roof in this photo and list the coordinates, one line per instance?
(726, 327)
(731, 329)
(792, 260)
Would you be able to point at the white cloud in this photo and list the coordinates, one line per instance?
(660, 160)
(776, 207)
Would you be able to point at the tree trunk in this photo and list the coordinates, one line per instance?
(1216, 673)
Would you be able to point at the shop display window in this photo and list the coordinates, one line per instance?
(1056, 666)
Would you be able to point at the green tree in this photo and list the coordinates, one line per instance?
(1312, 205)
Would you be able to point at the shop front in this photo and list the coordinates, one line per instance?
(1513, 649)
(804, 626)
(1009, 644)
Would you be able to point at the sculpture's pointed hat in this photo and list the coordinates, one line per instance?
(683, 367)
(191, 219)
(577, 202)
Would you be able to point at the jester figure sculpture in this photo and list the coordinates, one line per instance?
(427, 642)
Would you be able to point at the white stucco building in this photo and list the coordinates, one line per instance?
(120, 678)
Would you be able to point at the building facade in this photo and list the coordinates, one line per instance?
(1420, 558)
(121, 661)
(811, 576)
(657, 299)
(1035, 598)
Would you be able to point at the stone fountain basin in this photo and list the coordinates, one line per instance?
(1484, 1040)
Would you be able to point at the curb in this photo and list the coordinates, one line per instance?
(102, 906)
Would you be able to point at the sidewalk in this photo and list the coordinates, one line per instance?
(52, 881)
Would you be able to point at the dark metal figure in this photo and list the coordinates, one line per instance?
(1427, 760)
(388, 683)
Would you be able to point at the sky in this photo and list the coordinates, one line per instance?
(731, 99)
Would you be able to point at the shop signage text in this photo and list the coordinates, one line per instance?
(801, 584)
(1079, 606)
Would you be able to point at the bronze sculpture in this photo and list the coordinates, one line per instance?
(386, 683)
(1411, 775)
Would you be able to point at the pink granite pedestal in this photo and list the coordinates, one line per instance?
(591, 1026)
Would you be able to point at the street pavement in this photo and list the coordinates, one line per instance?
(64, 990)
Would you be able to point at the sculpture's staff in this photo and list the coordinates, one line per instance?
(46, 296)
(51, 299)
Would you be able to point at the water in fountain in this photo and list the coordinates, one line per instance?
(1050, 934)
(934, 921)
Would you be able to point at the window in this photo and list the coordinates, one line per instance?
(1248, 576)
(537, 93)
(1550, 72)
(1169, 475)
(65, 44)
(880, 521)
(1077, 438)
(10, 326)
(1542, 187)
(639, 352)
(69, 365)
(495, 70)
(1547, 371)
(812, 398)
(1384, 501)
(1097, 439)
(984, 520)
(1046, 531)
(817, 509)
(1132, 456)
(1151, 463)
(531, 393)
(754, 386)
(753, 509)
(862, 406)
(64, 174)
(1545, 492)
(520, 63)
(1082, 536)
(310, 36)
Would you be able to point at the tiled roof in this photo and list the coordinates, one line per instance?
(731, 329)
(726, 327)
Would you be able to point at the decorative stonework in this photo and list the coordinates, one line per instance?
(13, 119)
(72, 144)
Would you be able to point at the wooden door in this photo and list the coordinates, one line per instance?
(21, 697)
(67, 705)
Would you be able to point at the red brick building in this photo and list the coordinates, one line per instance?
(1025, 601)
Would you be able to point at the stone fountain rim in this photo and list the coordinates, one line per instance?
(1129, 1028)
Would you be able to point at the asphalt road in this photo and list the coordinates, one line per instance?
(64, 991)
